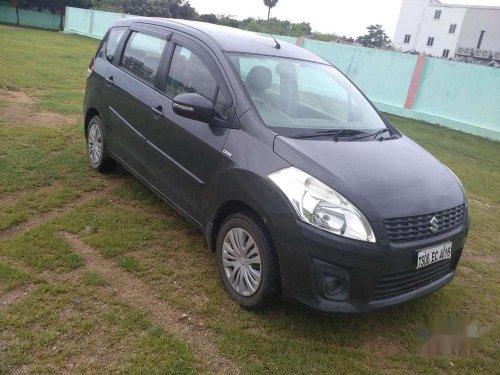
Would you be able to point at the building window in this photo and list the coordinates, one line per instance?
(446, 53)
(407, 38)
(430, 41)
(437, 14)
(481, 36)
(453, 27)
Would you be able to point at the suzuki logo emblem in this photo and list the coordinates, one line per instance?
(434, 224)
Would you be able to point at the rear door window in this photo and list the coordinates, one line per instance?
(142, 55)
(113, 40)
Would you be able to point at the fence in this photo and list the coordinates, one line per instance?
(457, 95)
(41, 20)
(89, 22)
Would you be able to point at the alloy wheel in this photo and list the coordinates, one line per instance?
(242, 261)
(95, 143)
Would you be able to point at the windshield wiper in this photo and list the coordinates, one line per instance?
(330, 132)
(374, 134)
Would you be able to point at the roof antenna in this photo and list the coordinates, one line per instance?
(278, 46)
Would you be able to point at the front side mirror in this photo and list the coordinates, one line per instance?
(193, 106)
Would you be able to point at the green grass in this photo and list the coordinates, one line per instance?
(48, 64)
(91, 278)
(42, 169)
(129, 263)
(41, 157)
(49, 332)
(11, 278)
(41, 250)
(34, 202)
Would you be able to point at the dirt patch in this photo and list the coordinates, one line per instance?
(20, 109)
(376, 344)
(138, 294)
(486, 259)
(485, 205)
(13, 295)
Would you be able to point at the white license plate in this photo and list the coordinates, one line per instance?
(433, 254)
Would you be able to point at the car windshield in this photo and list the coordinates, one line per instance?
(299, 97)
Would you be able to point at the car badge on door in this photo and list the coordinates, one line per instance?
(434, 224)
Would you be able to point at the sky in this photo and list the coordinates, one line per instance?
(348, 17)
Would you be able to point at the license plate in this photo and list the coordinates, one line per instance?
(433, 254)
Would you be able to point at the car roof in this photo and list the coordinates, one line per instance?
(229, 39)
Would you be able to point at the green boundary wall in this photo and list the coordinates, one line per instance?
(31, 18)
(383, 77)
(461, 96)
(90, 22)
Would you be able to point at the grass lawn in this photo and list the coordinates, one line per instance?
(76, 245)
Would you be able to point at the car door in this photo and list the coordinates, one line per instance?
(96, 84)
(131, 88)
(184, 154)
(106, 52)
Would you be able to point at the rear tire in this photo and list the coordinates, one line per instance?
(97, 151)
(246, 261)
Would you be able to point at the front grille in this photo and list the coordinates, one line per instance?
(413, 228)
(403, 282)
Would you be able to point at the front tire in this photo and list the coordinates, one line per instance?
(246, 261)
(97, 152)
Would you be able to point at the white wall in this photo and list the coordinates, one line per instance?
(409, 20)
(417, 19)
(439, 29)
(477, 19)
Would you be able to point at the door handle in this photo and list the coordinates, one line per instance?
(110, 80)
(158, 111)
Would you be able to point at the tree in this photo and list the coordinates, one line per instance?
(210, 18)
(300, 29)
(275, 26)
(227, 20)
(149, 8)
(375, 38)
(324, 37)
(182, 9)
(270, 4)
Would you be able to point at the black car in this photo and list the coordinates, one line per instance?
(301, 187)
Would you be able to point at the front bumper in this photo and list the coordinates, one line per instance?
(368, 276)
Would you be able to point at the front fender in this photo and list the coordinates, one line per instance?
(251, 189)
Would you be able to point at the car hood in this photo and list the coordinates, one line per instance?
(392, 178)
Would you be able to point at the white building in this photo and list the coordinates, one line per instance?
(446, 30)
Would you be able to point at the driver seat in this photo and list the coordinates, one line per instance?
(258, 81)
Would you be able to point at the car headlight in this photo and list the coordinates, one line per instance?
(321, 206)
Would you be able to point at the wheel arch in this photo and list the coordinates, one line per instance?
(91, 112)
(241, 190)
(226, 209)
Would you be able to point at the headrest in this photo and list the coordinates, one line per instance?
(259, 78)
